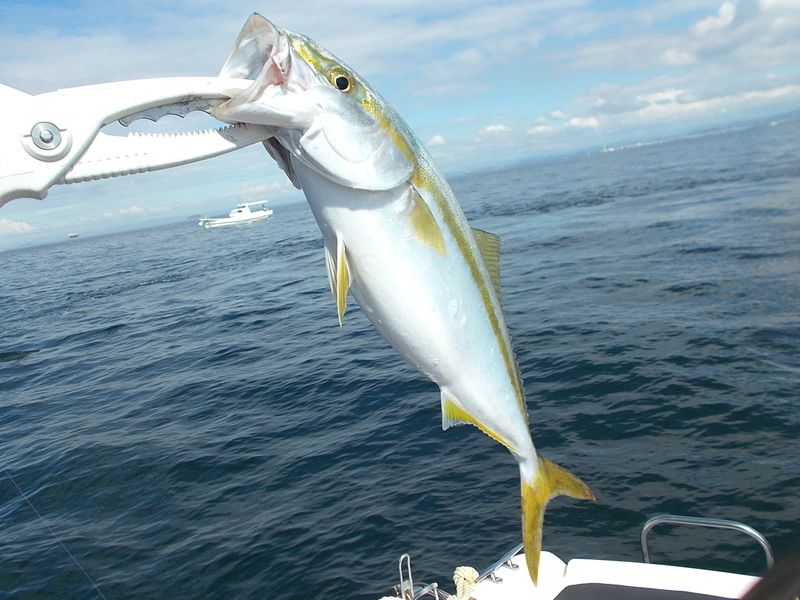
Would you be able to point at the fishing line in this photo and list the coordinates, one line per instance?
(55, 537)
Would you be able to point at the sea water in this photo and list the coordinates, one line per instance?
(182, 417)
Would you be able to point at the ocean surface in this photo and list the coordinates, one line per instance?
(182, 417)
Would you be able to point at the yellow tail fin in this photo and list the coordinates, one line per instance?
(550, 480)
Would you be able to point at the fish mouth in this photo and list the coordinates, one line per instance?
(263, 53)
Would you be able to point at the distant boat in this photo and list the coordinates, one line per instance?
(241, 213)
(72, 236)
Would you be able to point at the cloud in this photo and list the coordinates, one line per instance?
(588, 122)
(677, 57)
(142, 210)
(494, 129)
(540, 129)
(252, 191)
(788, 5)
(723, 18)
(661, 97)
(646, 108)
(133, 210)
(620, 70)
(15, 227)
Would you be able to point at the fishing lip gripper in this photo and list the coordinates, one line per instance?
(54, 138)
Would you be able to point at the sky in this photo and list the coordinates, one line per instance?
(483, 83)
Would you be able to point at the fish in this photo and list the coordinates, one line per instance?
(396, 240)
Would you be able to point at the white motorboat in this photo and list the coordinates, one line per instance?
(241, 213)
(582, 579)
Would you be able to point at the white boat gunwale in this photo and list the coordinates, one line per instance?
(507, 578)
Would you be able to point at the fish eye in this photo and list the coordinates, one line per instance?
(342, 82)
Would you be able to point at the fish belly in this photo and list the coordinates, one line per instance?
(426, 303)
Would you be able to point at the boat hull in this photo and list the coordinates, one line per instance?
(261, 215)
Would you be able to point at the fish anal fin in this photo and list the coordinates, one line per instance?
(489, 246)
(454, 414)
(550, 480)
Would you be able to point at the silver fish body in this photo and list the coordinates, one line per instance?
(397, 239)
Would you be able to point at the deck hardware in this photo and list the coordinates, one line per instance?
(490, 574)
(703, 522)
(406, 585)
(406, 589)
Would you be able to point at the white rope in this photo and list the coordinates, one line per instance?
(465, 578)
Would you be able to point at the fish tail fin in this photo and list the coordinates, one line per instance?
(549, 481)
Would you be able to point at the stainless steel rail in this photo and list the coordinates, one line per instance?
(407, 590)
(703, 522)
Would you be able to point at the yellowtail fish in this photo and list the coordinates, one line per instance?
(397, 240)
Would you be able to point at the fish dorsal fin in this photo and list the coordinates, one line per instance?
(338, 276)
(454, 414)
(489, 245)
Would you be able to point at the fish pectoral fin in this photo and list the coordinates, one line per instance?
(489, 246)
(422, 221)
(550, 480)
(454, 414)
(342, 278)
(338, 276)
(330, 263)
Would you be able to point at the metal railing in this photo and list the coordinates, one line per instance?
(703, 522)
(407, 590)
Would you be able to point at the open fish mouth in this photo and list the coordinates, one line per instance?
(278, 97)
(261, 44)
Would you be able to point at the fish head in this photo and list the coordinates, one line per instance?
(320, 111)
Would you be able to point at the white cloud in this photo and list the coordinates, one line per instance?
(656, 67)
(676, 57)
(436, 140)
(790, 5)
(142, 210)
(541, 129)
(723, 18)
(133, 210)
(645, 108)
(662, 97)
(494, 129)
(587, 122)
(14, 227)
